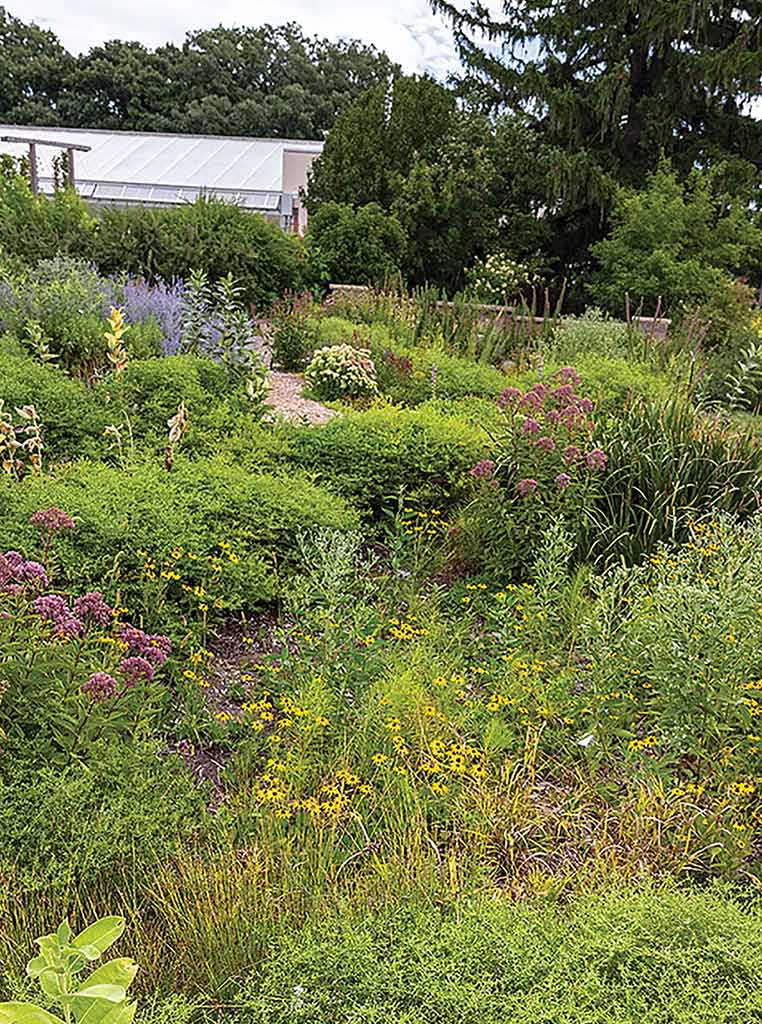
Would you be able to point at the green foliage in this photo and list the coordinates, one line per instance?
(149, 391)
(130, 805)
(210, 235)
(648, 956)
(35, 228)
(377, 140)
(73, 421)
(292, 331)
(670, 243)
(597, 91)
(263, 81)
(339, 371)
(355, 246)
(668, 465)
(120, 513)
(593, 333)
(58, 310)
(101, 998)
(413, 374)
(373, 456)
(611, 381)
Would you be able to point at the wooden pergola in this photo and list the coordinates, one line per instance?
(70, 148)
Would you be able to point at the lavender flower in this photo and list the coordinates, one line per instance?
(141, 300)
(134, 669)
(531, 426)
(33, 572)
(154, 648)
(509, 397)
(572, 454)
(101, 687)
(52, 608)
(567, 374)
(545, 444)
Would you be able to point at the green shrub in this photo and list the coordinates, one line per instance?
(61, 303)
(210, 235)
(143, 340)
(33, 227)
(372, 456)
(63, 825)
(150, 391)
(73, 420)
(646, 957)
(349, 245)
(670, 242)
(414, 374)
(293, 334)
(667, 466)
(593, 333)
(610, 382)
(119, 514)
(339, 371)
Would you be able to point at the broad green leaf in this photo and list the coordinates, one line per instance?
(100, 935)
(50, 982)
(116, 972)
(36, 966)
(113, 993)
(50, 949)
(100, 1011)
(26, 1013)
(63, 934)
(122, 1013)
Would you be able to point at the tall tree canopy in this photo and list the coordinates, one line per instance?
(460, 184)
(613, 84)
(264, 81)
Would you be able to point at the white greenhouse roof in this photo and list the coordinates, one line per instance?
(159, 168)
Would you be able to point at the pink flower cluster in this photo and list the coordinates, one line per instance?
(16, 573)
(55, 609)
(101, 687)
(154, 648)
(52, 520)
(483, 470)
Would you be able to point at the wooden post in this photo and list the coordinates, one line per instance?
(33, 168)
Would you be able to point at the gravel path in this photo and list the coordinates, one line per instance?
(288, 403)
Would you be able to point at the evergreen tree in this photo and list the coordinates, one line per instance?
(611, 86)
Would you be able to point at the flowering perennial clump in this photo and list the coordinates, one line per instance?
(339, 370)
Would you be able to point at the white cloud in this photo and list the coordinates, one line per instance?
(406, 29)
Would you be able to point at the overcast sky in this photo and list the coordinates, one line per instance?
(406, 29)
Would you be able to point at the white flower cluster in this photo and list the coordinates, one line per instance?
(342, 370)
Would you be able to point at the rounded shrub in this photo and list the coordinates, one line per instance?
(210, 235)
(374, 455)
(73, 420)
(341, 370)
(129, 520)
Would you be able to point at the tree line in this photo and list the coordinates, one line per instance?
(269, 81)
